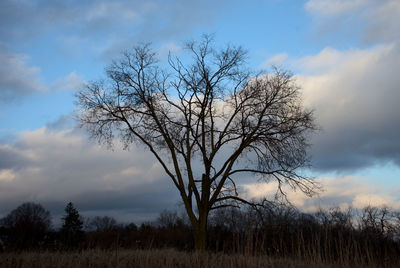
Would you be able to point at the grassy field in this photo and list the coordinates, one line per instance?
(159, 258)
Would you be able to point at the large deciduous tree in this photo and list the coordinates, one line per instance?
(208, 121)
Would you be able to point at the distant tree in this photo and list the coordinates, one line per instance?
(102, 224)
(71, 229)
(167, 219)
(380, 221)
(208, 122)
(131, 227)
(27, 225)
(170, 219)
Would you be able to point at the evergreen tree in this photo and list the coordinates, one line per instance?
(71, 229)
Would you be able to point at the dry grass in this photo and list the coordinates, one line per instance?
(155, 258)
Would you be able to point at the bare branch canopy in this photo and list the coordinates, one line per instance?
(208, 122)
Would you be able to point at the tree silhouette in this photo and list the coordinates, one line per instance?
(27, 225)
(102, 224)
(71, 229)
(208, 123)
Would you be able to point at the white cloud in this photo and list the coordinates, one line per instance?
(366, 199)
(338, 191)
(71, 81)
(326, 60)
(7, 175)
(276, 60)
(17, 77)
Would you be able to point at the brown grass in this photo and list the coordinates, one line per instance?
(156, 258)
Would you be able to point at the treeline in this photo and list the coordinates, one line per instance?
(363, 236)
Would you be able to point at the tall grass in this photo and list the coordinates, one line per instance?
(306, 252)
(157, 258)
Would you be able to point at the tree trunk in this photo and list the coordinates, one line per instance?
(200, 232)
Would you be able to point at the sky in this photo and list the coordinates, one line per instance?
(345, 55)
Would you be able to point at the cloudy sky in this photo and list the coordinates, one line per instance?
(344, 53)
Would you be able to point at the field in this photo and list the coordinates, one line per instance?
(154, 258)
(161, 258)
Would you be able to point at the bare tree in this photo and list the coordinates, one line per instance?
(101, 224)
(27, 225)
(207, 122)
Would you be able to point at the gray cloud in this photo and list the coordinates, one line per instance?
(369, 20)
(355, 92)
(17, 77)
(11, 158)
(66, 121)
(102, 29)
(21, 19)
(128, 185)
(355, 95)
(63, 167)
(121, 20)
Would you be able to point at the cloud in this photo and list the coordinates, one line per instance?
(23, 18)
(334, 7)
(355, 95)
(11, 158)
(17, 77)
(373, 20)
(7, 175)
(105, 25)
(276, 60)
(326, 60)
(169, 47)
(110, 9)
(53, 167)
(71, 81)
(339, 192)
